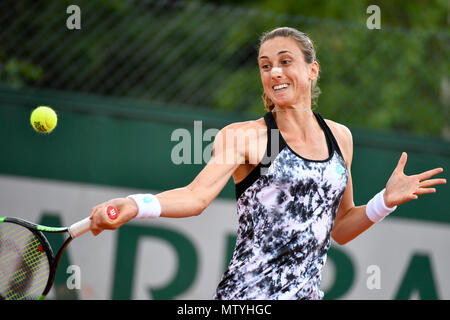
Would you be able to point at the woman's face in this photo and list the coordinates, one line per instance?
(285, 75)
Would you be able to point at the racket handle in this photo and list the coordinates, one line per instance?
(79, 228)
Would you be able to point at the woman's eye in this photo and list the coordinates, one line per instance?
(265, 66)
(285, 61)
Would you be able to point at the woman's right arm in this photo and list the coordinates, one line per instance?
(187, 201)
(192, 199)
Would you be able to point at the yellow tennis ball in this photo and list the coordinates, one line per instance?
(43, 119)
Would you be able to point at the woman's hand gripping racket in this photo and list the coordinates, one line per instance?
(27, 263)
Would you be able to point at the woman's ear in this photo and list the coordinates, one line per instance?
(314, 70)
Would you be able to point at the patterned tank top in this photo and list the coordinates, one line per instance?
(286, 208)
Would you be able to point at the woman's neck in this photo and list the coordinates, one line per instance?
(298, 120)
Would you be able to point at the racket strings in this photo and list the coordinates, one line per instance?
(29, 268)
(10, 245)
(24, 265)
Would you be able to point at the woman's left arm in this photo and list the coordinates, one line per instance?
(352, 220)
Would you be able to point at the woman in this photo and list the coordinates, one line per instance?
(293, 183)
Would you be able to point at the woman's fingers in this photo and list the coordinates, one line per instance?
(100, 220)
(93, 210)
(424, 191)
(402, 162)
(428, 174)
(432, 182)
(424, 186)
(97, 219)
(96, 231)
(402, 188)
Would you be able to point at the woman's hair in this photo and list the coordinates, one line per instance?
(306, 46)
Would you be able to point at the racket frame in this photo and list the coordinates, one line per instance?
(75, 230)
(38, 230)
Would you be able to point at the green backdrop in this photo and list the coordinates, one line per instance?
(121, 142)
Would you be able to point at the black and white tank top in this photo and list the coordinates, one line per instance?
(286, 209)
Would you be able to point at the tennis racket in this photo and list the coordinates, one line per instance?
(27, 263)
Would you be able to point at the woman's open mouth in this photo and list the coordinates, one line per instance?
(280, 87)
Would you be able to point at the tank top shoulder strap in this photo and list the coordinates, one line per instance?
(329, 135)
(275, 141)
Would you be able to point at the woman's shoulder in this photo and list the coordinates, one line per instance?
(339, 129)
(249, 126)
(241, 137)
(343, 136)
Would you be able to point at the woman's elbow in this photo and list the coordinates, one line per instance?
(200, 206)
(339, 239)
(196, 200)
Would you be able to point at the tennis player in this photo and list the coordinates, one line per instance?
(296, 194)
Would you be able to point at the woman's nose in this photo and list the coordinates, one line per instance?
(276, 72)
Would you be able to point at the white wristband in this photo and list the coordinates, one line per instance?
(148, 205)
(376, 209)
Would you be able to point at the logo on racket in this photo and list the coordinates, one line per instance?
(111, 212)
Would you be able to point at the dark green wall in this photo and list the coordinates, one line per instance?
(120, 142)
